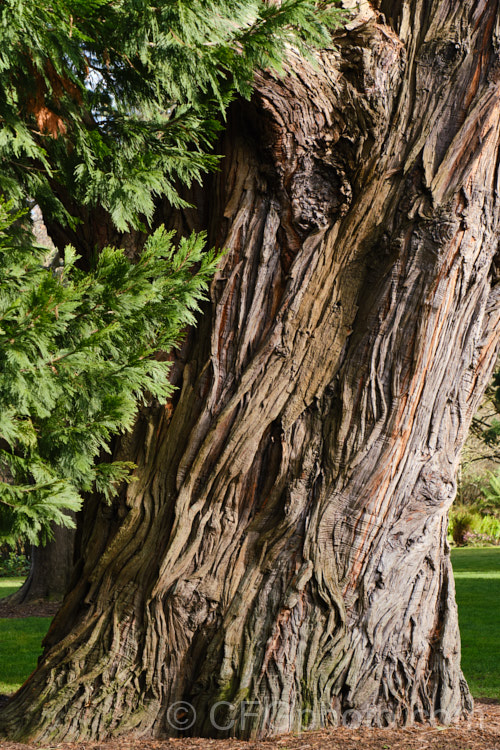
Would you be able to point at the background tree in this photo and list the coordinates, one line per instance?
(485, 426)
(284, 548)
(475, 516)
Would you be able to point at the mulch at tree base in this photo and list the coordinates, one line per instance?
(33, 609)
(480, 732)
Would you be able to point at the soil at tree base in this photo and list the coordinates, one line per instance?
(31, 609)
(481, 732)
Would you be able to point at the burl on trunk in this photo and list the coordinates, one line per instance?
(282, 559)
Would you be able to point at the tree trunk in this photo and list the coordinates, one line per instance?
(281, 561)
(50, 570)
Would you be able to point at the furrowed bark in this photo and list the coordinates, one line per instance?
(281, 561)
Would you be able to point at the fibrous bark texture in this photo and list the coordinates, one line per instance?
(281, 561)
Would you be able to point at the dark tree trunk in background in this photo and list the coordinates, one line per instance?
(50, 570)
(283, 553)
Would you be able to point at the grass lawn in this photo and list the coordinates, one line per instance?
(477, 581)
(9, 585)
(20, 641)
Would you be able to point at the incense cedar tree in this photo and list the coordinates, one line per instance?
(101, 113)
(281, 559)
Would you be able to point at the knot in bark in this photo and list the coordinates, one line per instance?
(436, 486)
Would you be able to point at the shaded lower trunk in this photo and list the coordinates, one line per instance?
(50, 570)
(281, 561)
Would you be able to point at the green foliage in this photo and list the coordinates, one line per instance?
(76, 360)
(492, 435)
(14, 564)
(469, 488)
(486, 424)
(110, 103)
(491, 494)
(469, 526)
(461, 522)
(490, 527)
(475, 520)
